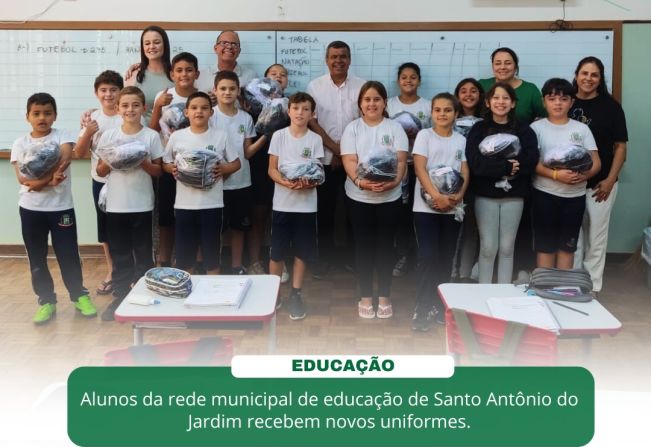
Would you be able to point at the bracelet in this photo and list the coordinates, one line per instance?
(555, 174)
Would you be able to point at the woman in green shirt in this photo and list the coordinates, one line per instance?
(505, 68)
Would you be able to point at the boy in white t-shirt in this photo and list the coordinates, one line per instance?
(199, 212)
(184, 73)
(294, 202)
(238, 193)
(46, 208)
(559, 193)
(130, 198)
(107, 86)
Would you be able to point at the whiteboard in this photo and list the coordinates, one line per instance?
(65, 63)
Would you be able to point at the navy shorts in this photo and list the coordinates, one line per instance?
(297, 230)
(102, 235)
(198, 228)
(556, 222)
(166, 197)
(237, 208)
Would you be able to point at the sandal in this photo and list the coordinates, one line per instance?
(365, 310)
(105, 288)
(384, 311)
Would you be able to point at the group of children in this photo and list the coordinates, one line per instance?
(125, 227)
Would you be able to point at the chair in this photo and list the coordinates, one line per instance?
(489, 340)
(214, 351)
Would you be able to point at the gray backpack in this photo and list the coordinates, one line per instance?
(562, 285)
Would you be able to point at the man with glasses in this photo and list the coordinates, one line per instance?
(227, 48)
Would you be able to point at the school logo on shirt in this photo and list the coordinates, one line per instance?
(211, 147)
(421, 115)
(458, 155)
(66, 221)
(307, 152)
(241, 129)
(387, 140)
(576, 138)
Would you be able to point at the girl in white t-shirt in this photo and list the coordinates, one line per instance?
(374, 206)
(436, 228)
(421, 108)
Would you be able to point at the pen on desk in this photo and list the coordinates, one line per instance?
(571, 308)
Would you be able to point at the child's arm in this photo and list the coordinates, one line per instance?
(152, 167)
(350, 162)
(162, 99)
(596, 166)
(226, 169)
(465, 173)
(276, 176)
(83, 143)
(441, 202)
(103, 169)
(32, 185)
(251, 148)
(170, 168)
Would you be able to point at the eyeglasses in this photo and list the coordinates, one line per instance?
(226, 43)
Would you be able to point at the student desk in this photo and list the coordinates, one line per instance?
(472, 298)
(258, 307)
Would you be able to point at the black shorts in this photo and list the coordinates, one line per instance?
(263, 186)
(102, 235)
(166, 197)
(297, 230)
(198, 228)
(556, 222)
(237, 208)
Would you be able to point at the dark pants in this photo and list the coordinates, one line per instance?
(36, 225)
(437, 238)
(327, 194)
(130, 246)
(374, 227)
(405, 238)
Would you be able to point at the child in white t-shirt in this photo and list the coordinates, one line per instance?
(199, 211)
(238, 192)
(107, 86)
(293, 220)
(559, 193)
(130, 198)
(46, 208)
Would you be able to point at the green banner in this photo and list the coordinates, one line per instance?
(173, 406)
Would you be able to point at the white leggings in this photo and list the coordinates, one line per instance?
(497, 221)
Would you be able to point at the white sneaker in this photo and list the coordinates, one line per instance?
(285, 276)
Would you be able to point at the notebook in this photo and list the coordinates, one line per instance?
(216, 291)
(529, 310)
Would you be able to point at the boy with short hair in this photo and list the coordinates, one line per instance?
(184, 74)
(559, 194)
(46, 207)
(294, 202)
(199, 212)
(107, 86)
(238, 193)
(130, 198)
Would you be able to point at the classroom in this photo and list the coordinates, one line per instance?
(295, 33)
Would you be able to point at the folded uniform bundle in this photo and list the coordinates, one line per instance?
(40, 158)
(259, 92)
(569, 156)
(409, 122)
(447, 181)
(173, 119)
(310, 170)
(168, 281)
(378, 165)
(123, 155)
(464, 124)
(195, 168)
(273, 117)
(500, 145)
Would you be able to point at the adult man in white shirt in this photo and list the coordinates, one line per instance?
(336, 95)
(227, 48)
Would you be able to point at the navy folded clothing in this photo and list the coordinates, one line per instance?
(40, 158)
(465, 123)
(570, 156)
(259, 92)
(409, 122)
(378, 165)
(273, 117)
(195, 168)
(123, 155)
(310, 170)
(500, 145)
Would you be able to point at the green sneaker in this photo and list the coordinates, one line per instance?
(45, 313)
(85, 306)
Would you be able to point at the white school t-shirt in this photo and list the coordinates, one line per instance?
(421, 109)
(289, 149)
(50, 198)
(551, 136)
(131, 191)
(238, 128)
(440, 151)
(336, 105)
(216, 140)
(104, 122)
(359, 139)
(206, 81)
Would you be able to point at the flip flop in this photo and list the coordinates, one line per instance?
(105, 288)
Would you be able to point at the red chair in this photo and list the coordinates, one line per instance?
(489, 340)
(213, 351)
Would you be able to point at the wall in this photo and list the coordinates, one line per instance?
(328, 11)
